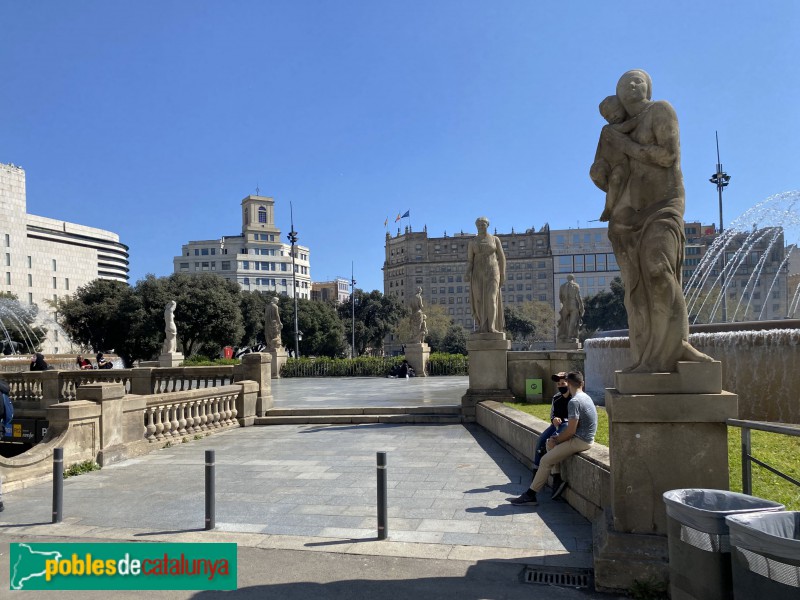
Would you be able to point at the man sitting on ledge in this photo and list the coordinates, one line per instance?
(577, 437)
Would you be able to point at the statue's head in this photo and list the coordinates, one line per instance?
(275, 300)
(634, 86)
(482, 223)
(419, 291)
(570, 278)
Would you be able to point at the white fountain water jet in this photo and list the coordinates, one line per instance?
(14, 319)
(751, 246)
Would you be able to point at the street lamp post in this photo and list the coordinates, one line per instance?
(721, 179)
(292, 235)
(353, 303)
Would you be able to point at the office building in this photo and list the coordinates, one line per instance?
(255, 258)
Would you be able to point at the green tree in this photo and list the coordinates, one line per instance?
(207, 312)
(323, 330)
(455, 340)
(606, 310)
(519, 325)
(542, 315)
(17, 324)
(102, 315)
(437, 321)
(148, 334)
(376, 316)
(252, 306)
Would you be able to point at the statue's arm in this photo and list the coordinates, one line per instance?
(501, 259)
(470, 259)
(664, 152)
(600, 168)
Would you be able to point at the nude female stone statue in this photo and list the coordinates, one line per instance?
(272, 325)
(171, 331)
(646, 227)
(417, 318)
(486, 273)
(571, 310)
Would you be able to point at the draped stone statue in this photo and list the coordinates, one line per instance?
(417, 319)
(486, 273)
(571, 310)
(645, 212)
(171, 331)
(272, 325)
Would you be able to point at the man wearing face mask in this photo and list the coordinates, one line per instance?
(558, 421)
(577, 437)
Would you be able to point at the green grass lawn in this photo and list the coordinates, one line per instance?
(782, 452)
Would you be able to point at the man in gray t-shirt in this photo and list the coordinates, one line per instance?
(577, 437)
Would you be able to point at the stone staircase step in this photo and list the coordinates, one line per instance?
(355, 419)
(386, 410)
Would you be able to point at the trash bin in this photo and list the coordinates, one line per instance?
(698, 540)
(765, 555)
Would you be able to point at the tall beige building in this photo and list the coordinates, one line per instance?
(256, 258)
(44, 259)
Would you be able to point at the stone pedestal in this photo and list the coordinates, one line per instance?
(417, 356)
(257, 367)
(279, 358)
(488, 371)
(667, 431)
(173, 359)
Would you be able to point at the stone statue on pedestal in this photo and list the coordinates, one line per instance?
(417, 319)
(645, 217)
(272, 325)
(171, 331)
(486, 273)
(571, 310)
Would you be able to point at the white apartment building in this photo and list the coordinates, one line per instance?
(256, 258)
(44, 259)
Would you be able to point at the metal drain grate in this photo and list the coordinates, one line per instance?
(560, 577)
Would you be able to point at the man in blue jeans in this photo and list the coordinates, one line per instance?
(577, 437)
(558, 417)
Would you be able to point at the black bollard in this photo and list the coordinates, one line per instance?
(383, 524)
(210, 506)
(58, 485)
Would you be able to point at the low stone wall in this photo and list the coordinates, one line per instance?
(106, 425)
(540, 364)
(588, 473)
(758, 366)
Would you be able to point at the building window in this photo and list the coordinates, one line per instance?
(197, 251)
(54, 265)
(226, 265)
(30, 280)
(204, 252)
(184, 266)
(66, 283)
(30, 262)
(8, 278)
(262, 214)
(8, 259)
(246, 281)
(55, 335)
(30, 298)
(245, 264)
(55, 284)
(8, 241)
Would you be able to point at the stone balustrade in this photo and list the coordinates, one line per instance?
(177, 414)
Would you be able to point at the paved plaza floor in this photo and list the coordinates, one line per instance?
(313, 488)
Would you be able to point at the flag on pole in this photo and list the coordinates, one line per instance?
(398, 218)
(386, 222)
(406, 214)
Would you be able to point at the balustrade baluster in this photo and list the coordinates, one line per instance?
(150, 428)
(204, 414)
(174, 421)
(181, 419)
(190, 417)
(159, 435)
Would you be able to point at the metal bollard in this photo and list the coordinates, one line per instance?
(383, 524)
(210, 506)
(58, 485)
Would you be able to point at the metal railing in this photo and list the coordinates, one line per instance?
(748, 459)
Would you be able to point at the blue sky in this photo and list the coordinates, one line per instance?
(155, 118)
